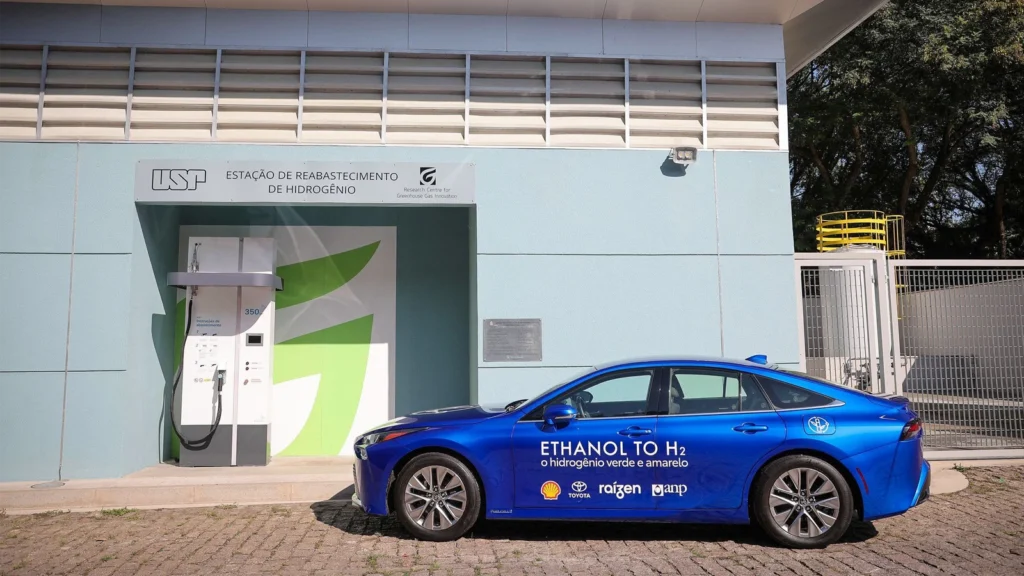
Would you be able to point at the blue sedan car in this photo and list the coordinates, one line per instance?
(682, 440)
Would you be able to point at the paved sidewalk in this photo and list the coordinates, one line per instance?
(979, 530)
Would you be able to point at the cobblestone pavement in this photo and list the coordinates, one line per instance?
(976, 531)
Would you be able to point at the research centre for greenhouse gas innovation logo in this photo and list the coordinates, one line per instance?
(181, 179)
(428, 176)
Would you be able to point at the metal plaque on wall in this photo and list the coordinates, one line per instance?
(512, 340)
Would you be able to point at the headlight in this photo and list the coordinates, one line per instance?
(383, 436)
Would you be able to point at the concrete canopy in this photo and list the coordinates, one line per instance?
(809, 26)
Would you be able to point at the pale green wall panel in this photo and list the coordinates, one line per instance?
(499, 386)
(596, 309)
(106, 197)
(758, 316)
(100, 301)
(37, 196)
(33, 311)
(593, 202)
(97, 408)
(30, 406)
(754, 205)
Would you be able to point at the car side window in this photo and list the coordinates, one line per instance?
(787, 397)
(711, 392)
(618, 395)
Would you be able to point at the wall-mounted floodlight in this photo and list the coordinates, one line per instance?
(684, 155)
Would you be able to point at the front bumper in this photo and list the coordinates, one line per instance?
(355, 488)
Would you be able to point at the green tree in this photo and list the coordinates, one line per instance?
(919, 112)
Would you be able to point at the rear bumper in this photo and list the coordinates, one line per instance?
(924, 487)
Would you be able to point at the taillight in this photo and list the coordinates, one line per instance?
(911, 430)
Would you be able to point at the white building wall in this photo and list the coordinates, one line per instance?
(191, 27)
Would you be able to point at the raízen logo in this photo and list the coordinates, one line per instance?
(620, 491)
(550, 490)
(178, 179)
(428, 176)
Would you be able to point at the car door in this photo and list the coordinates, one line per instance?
(590, 462)
(715, 425)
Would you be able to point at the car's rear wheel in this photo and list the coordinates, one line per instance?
(436, 497)
(803, 502)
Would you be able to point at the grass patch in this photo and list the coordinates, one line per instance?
(227, 506)
(371, 561)
(960, 468)
(107, 558)
(117, 512)
(51, 513)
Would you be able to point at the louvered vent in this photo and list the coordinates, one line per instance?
(665, 104)
(743, 107)
(20, 70)
(426, 100)
(86, 94)
(588, 103)
(506, 101)
(173, 95)
(259, 97)
(344, 98)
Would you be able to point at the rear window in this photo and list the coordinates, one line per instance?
(829, 383)
(787, 397)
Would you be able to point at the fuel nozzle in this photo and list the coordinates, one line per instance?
(221, 374)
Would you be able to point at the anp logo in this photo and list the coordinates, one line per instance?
(428, 176)
(550, 490)
(178, 178)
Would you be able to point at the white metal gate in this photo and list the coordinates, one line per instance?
(947, 334)
(845, 319)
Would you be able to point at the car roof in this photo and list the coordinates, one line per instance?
(680, 360)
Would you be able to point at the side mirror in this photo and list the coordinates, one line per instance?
(558, 413)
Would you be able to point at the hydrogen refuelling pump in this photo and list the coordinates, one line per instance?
(220, 402)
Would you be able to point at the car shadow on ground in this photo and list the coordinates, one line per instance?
(339, 513)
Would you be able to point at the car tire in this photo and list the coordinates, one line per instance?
(802, 502)
(436, 497)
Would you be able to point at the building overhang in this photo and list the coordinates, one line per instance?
(809, 26)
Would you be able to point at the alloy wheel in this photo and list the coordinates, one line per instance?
(804, 502)
(435, 498)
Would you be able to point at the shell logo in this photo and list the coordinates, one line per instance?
(550, 490)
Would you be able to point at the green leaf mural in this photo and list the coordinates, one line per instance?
(339, 355)
(305, 281)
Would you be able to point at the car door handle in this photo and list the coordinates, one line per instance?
(750, 428)
(634, 431)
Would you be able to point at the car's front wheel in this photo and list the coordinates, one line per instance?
(436, 497)
(803, 502)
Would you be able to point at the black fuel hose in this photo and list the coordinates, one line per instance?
(205, 440)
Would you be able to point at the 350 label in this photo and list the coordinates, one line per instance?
(252, 311)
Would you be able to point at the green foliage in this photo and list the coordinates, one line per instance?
(116, 512)
(920, 112)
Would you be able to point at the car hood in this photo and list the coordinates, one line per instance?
(450, 416)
